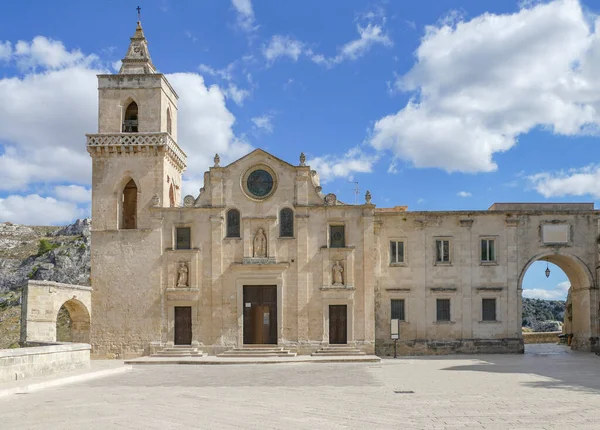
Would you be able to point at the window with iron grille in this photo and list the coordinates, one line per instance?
(286, 223)
(233, 223)
(182, 238)
(442, 251)
(443, 309)
(488, 309)
(396, 252)
(337, 236)
(398, 309)
(488, 250)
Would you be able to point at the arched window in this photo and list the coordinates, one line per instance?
(172, 196)
(169, 120)
(286, 223)
(129, 208)
(130, 121)
(233, 223)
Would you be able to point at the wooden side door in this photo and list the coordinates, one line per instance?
(183, 325)
(338, 324)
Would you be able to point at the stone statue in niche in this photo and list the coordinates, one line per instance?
(338, 277)
(182, 275)
(260, 244)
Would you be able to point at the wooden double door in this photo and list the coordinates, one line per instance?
(338, 324)
(260, 314)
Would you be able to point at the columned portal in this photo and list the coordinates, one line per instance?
(260, 314)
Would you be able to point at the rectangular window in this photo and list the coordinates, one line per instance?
(337, 236)
(488, 309)
(398, 309)
(396, 252)
(443, 309)
(182, 238)
(488, 250)
(442, 251)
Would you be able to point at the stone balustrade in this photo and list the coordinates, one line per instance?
(134, 142)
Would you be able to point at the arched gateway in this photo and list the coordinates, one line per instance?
(42, 301)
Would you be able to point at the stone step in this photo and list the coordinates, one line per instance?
(340, 347)
(258, 349)
(241, 354)
(338, 351)
(178, 351)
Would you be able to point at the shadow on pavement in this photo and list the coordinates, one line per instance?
(563, 368)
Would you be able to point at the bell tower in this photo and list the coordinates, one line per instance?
(136, 176)
(136, 162)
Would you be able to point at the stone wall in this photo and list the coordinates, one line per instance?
(541, 337)
(21, 363)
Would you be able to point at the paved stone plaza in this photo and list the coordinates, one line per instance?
(548, 387)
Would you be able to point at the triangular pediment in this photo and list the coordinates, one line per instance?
(259, 155)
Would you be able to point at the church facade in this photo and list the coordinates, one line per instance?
(264, 256)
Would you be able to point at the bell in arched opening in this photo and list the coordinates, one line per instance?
(130, 121)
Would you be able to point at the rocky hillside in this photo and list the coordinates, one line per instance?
(44, 253)
(60, 254)
(543, 315)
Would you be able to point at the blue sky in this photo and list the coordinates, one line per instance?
(438, 105)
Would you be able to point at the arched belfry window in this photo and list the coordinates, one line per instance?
(171, 196)
(286, 223)
(169, 120)
(233, 223)
(129, 206)
(130, 121)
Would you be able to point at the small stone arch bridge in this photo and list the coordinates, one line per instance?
(39, 309)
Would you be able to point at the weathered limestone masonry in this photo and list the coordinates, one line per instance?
(41, 302)
(563, 234)
(261, 256)
(22, 363)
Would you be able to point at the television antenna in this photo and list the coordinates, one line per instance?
(356, 191)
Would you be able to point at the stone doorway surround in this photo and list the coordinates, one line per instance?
(270, 274)
(339, 296)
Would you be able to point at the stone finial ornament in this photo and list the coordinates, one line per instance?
(217, 160)
(182, 275)
(188, 201)
(338, 276)
(302, 159)
(368, 197)
(156, 200)
(330, 199)
(260, 244)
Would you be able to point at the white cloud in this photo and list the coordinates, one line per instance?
(282, 46)
(205, 125)
(574, 182)
(225, 73)
(331, 166)
(245, 15)
(369, 36)
(47, 53)
(479, 84)
(264, 123)
(73, 193)
(44, 116)
(238, 95)
(46, 112)
(285, 46)
(557, 293)
(463, 194)
(5, 50)
(36, 210)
